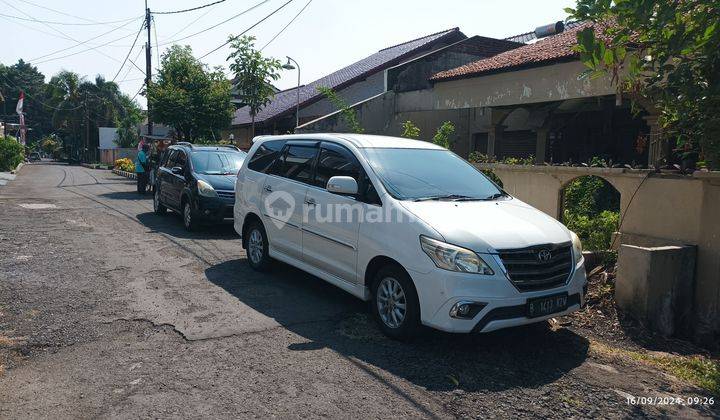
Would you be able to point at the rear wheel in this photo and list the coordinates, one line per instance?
(158, 206)
(395, 304)
(189, 217)
(256, 246)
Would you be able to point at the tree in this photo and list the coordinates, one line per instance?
(50, 144)
(189, 97)
(443, 136)
(347, 113)
(26, 77)
(410, 130)
(127, 123)
(253, 73)
(665, 54)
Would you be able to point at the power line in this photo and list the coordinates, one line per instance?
(35, 99)
(67, 14)
(52, 22)
(217, 24)
(157, 48)
(288, 24)
(247, 30)
(129, 52)
(188, 10)
(127, 73)
(189, 25)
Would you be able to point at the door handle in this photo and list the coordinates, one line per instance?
(268, 188)
(310, 201)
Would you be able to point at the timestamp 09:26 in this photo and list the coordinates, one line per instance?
(669, 400)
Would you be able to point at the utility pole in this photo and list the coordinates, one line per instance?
(148, 69)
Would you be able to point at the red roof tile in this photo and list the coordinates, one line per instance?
(546, 50)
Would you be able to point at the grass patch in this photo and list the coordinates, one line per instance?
(699, 371)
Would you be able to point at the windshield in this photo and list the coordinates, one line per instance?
(217, 163)
(428, 174)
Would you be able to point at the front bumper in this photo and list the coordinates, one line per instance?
(505, 306)
(215, 209)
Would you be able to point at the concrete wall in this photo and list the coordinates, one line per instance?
(656, 210)
(540, 84)
(107, 137)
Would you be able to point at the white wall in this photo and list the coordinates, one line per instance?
(107, 135)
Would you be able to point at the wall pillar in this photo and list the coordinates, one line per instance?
(658, 148)
(541, 145)
(495, 135)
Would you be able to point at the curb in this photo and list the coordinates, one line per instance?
(95, 166)
(124, 173)
(17, 168)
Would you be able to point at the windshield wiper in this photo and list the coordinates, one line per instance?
(446, 197)
(495, 196)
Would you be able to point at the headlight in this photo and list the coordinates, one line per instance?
(454, 258)
(577, 247)
(206, 189)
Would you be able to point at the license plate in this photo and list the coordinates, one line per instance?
(546, 305)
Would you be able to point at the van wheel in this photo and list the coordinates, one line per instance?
(188, 217)
(257, 247)
(158, 206)
(395, 304)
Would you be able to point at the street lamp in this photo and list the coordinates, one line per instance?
(289, 66)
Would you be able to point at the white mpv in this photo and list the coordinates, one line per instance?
(409, 226)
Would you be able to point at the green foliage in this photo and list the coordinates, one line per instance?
(189, 97)
(253, 73)
(591, 210)
(127, 123)
(410, 130)
(26, 77)
(444, 134)
(348, 114)
(529, 160)
(477, 157)
(666, 55)
(11, 153)
(50, 145)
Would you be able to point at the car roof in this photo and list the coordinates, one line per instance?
(361, 141)
(195, 148)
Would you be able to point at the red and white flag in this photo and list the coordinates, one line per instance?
(19, 110)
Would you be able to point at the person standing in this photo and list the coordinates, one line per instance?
(142, 166)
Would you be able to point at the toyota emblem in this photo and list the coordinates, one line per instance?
(544, 255)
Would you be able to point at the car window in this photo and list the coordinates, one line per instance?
(333, 161)
(181, 159)
(412, 174)
(216, 163)
(264, 157)
(298, 162)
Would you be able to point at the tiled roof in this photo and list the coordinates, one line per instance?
(286, 100)
(546, 50)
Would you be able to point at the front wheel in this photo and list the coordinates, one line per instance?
(189, 217)
(395, 304)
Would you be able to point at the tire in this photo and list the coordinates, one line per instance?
(158, 206)
(256, 246)
(392, 289)
(188, 216)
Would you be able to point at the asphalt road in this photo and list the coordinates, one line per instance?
(108, 310)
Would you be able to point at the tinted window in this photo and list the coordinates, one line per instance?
(409, 174)
(265, 155)
(298, 163)
(216, 163)
(181, 160)
(171, 158)
(335, 161)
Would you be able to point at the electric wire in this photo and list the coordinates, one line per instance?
(288, 24)
(217, 24)
(52, 22)
(129, 52)
(172, 12)
(246, 30)
(69, 15)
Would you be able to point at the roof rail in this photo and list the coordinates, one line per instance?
(184, 143)
(231, 146)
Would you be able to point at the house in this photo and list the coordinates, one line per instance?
(357, 82)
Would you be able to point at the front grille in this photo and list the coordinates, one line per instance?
(226, 194)
(528, 272)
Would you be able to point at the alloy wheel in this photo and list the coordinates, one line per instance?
(391, 302)
(255, 246)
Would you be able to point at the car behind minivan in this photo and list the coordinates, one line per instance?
(409, 226)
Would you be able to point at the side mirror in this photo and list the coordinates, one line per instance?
(177, 170)
(342, 185)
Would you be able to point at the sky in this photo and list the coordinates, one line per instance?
(93, 37)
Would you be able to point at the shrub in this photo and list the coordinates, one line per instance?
(410, 130)
(125, 164)
(443, 136)
(11, 153)
(591, 210)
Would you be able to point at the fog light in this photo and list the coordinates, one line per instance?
(466, 310)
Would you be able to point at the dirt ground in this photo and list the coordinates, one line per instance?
(108, 310)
